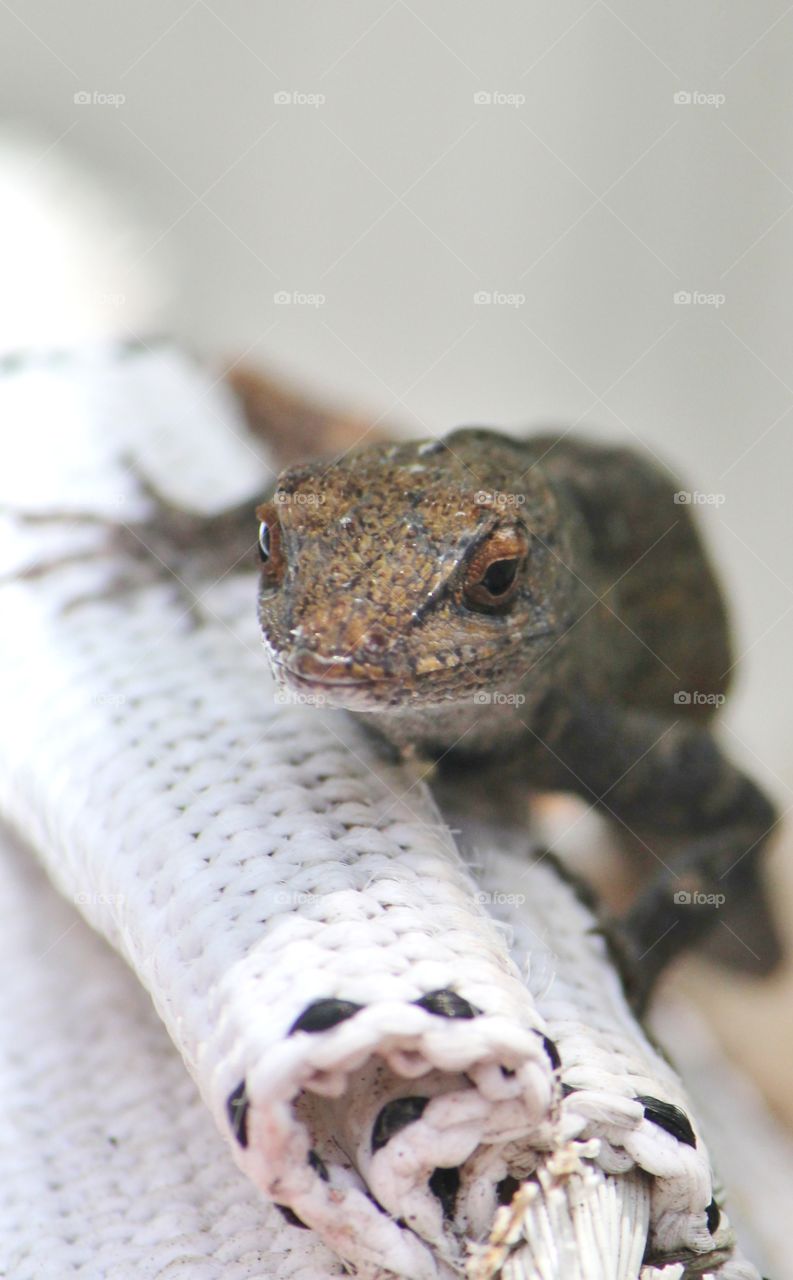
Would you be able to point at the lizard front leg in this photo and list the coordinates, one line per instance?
(703, 820)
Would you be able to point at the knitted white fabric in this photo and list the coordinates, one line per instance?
(111, 1166)
(293, 904)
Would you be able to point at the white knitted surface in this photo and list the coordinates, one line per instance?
(250, 858)
(112, 1168)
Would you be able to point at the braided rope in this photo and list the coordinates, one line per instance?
(301, 917)
(112, 1166)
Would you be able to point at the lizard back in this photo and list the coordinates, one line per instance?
(663, 615)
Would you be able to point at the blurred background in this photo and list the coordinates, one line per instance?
(514, 213)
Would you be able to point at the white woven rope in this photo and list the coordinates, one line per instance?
(112, 1168)
(249, 859)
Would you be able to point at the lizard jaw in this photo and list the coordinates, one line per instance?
(349, 694)
(332, 681)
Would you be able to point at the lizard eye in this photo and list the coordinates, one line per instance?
(270, 546)
(491, 582)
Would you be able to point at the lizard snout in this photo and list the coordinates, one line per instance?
(344, 647)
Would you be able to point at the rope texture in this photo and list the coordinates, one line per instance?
(294, 904)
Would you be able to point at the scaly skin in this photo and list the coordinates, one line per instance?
(535, 601)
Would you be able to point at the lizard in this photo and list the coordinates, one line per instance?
(543, 608)
(533, 612)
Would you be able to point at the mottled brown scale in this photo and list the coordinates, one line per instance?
(544, 602)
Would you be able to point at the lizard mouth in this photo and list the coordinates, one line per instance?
(339, 688)
(340, 681)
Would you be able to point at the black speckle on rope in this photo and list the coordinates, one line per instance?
(377, 1204)
(137, 346)
(552, 1051)
(237, 1110)
(506, 1189)
(395, 1115)
(291, 1217)
(567, 1089)
(713, 1214)
(445, 1184)
(318, 1165)
(13, 362)
(447, 1004)
(670, 1118)
(321, 1015)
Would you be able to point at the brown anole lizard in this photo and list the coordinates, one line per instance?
(541, 605)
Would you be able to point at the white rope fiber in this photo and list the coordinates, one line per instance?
(386, 1060)
(112, 1168)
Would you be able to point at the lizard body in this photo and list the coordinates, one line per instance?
(541, 603)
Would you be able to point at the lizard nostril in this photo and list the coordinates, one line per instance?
(375, 640)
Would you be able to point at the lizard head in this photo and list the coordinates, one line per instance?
(408, 575)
